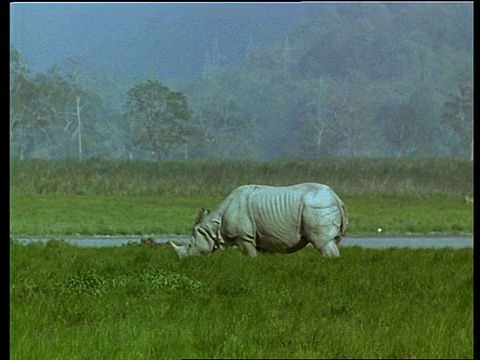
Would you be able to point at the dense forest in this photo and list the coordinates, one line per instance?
(370, 80)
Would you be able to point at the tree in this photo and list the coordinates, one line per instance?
(54, 106)
(211, 65)
(22, 94)
(459, 114)
(48, 109)
(315, 131)
(160, 118)
(403, 125)
(351, 103)
(37, 103)
(224, 131)
(73, 114)
(78, 92)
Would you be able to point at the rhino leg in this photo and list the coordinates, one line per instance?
(328, 248)
(247, 247)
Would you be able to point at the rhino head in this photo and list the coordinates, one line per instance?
(203, 241)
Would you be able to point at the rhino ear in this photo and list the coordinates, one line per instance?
(201, 215)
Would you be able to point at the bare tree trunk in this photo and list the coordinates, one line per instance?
(319, 129)
(471, 149)
(351, 146)
(79, 120)
(18, 136)
(21, 144)
(225, 118)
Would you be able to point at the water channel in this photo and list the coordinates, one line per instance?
(454, 241)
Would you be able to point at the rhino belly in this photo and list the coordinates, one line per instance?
(277, 220)
(276, 244)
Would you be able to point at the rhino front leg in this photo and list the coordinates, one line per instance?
(247, 247)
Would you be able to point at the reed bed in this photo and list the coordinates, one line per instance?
(351, 176)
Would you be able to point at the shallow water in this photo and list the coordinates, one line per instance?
(453, 241)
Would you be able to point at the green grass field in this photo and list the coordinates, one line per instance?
(121, 197)
(67, 215)
(134, 302)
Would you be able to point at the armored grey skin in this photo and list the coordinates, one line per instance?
(269, 218)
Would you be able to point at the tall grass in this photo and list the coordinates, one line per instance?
(133, 302)
(216, 178)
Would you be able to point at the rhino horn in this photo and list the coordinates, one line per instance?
(179, 249)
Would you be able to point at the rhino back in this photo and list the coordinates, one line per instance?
(274, 217)
(273, 206)
(282, 215)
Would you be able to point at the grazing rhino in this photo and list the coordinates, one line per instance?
(273, 219)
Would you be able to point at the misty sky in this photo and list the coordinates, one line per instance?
(169, 40)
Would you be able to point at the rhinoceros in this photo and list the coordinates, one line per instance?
(272, 219)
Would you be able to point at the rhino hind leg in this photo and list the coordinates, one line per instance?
(330, 249)
(327, 247)
(247, 247)
(321, 230)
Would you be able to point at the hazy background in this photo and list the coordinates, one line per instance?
(258, 81)
(135, 39)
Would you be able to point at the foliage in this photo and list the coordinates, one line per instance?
(20, 89)
(21, 101)
(459, 114)
(78, 303)
(160, 118)
(51, 109)
(327, 88)
(347, 80)
(224, 130)
(405, 126)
